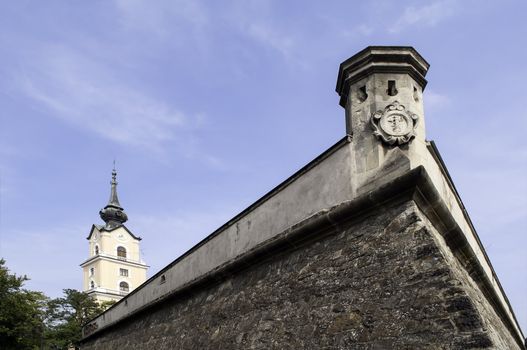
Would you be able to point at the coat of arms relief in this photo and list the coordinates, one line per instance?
(394, 125)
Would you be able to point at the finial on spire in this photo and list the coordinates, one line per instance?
(114, 174)
(113, 214)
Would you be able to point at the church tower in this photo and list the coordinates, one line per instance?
(114, 266)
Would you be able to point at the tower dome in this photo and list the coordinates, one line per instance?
(113, 214)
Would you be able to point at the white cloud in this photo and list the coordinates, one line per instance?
(190, 23)
(85, 93)
(167, 236)
(364, 30)
(60, 249)
(259, 22)
(427, 15)
(49, 256)
(162, 19)
(8, 152)
(52, 258)
(269, 36)
(435, 100)
(361, 30)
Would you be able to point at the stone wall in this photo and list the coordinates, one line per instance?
(384, 281)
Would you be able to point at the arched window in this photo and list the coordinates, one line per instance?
(96, 250)
(121, 252)
(92, 284)
(123, 287)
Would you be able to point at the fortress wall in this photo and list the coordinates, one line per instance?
(384, 279)
(323, 183)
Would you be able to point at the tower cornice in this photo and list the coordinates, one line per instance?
(105, 229)
(114, 258)
(380, 59)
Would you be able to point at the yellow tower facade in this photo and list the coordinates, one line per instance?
(114, 266)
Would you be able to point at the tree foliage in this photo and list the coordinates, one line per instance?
(30, 320)
(65, 317)
(21, 312)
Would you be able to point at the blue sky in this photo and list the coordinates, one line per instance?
(208, 105)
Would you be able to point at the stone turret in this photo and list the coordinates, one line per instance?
(381, 90)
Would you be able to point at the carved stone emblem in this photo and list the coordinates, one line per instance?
(394, 125)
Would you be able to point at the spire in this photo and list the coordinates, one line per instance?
(114, 200)
(113, 214)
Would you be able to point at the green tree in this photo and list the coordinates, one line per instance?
(30, 320)
(66, 316)
(21, 312)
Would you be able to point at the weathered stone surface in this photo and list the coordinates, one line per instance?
(388, 281)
